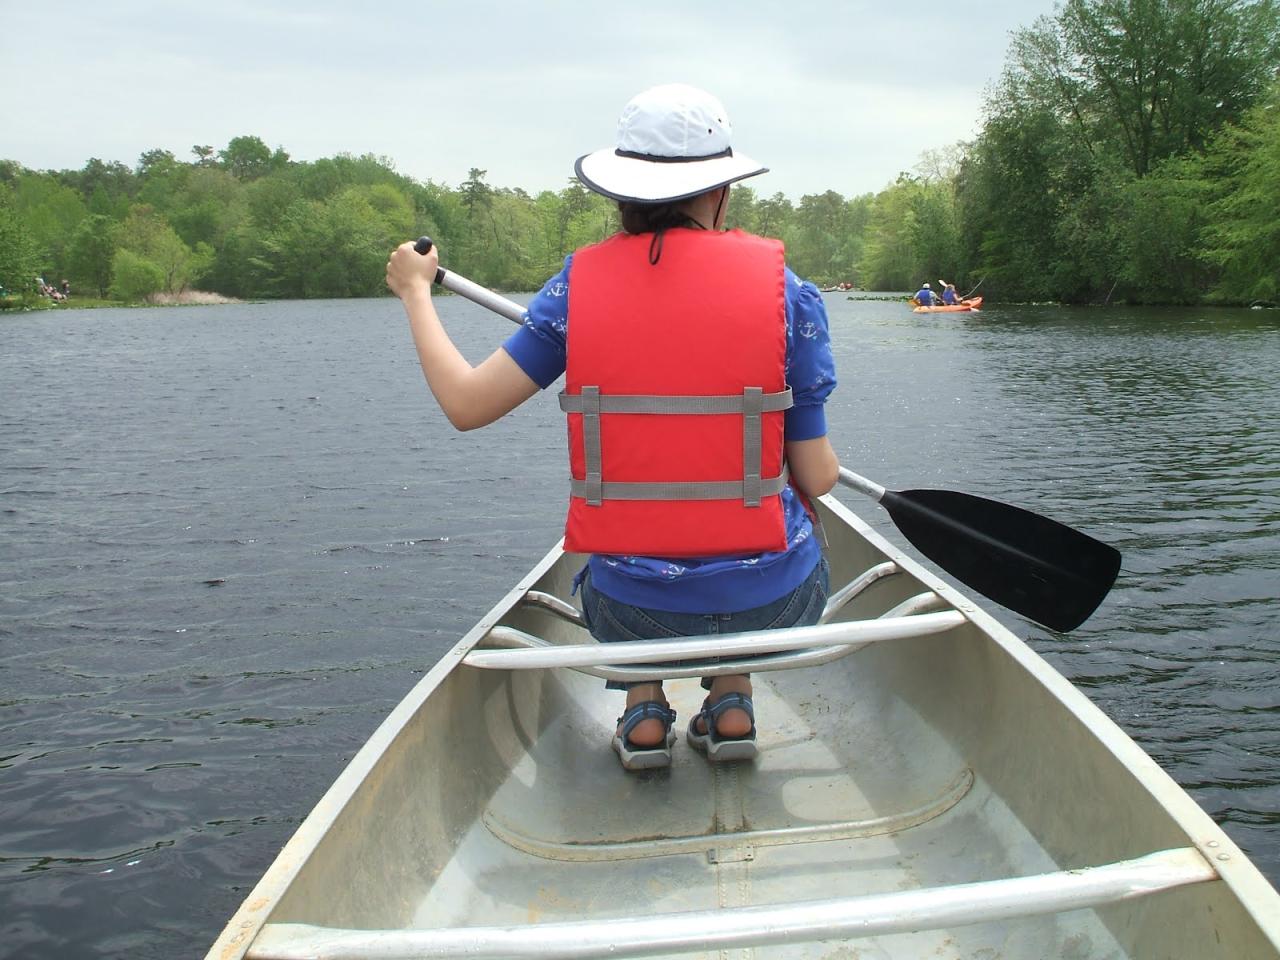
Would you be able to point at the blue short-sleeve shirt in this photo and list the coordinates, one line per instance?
(711, 584)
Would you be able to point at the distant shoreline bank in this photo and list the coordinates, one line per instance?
(187, 298)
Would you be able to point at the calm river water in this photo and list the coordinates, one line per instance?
(231, 538)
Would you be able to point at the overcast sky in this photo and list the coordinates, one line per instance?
(830, 95)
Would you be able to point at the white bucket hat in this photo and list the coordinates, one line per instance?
(673, 143)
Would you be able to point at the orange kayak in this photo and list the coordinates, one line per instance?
(963, 306)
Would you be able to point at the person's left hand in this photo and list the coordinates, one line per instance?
(410, 272)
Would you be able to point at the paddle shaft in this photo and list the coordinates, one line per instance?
(861, 484)
(473, 291)
(1035, 566)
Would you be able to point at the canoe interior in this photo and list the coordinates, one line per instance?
(492, 798)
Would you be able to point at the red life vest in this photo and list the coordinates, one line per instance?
(675, 387)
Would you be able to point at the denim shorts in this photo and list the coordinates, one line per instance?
(611, 621)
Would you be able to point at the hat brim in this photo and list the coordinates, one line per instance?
(653, 181)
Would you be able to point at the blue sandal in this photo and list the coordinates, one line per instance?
(634, 756)
(716, 747)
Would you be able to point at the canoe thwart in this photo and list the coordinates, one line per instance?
(716, 645)
(852, 590)
(736, 927)
(568, 612)
(508, 638)
(925, 602)
(550, 602)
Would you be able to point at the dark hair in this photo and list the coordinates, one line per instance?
(652, 217)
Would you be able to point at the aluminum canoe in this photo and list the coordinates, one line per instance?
(927, 787)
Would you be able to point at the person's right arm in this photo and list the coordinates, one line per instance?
(469, 396)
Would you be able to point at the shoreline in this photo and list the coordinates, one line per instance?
(188, 298)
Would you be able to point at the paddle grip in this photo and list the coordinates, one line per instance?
(423, 246)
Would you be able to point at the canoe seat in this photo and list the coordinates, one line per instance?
(789, 649)
(757, 651)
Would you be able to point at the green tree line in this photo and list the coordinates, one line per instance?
(1130, 150)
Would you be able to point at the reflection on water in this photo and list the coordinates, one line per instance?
(235, 536)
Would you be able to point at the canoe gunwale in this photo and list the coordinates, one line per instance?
(734, 927)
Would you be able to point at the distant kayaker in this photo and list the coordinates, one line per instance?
(949, 296)
(925, 296)
(673, 314)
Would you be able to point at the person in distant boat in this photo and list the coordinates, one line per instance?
(925, 296)
(949, 296)
(672, 552)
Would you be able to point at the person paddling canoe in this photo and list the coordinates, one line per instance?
(694, 524)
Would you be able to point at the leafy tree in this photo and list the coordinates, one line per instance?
(19, 252)
(92, 251)
(1147, 79)
(10, 170)
(773, 215)
(1162, 218)
(246, 158)
(1025, 170)
(912, 235)
(134, 278)
(210, 202)
(108, 188)
(51, 212)
(348, 235)
(1243, 236)
(283, 258)
(147, 234)
(162, 178)
(475, 192)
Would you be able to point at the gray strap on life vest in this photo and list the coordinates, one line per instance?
(640, 403)
(593, 485)
(680, 490)
(752, 404)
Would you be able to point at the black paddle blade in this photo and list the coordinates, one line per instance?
(1042, 569)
